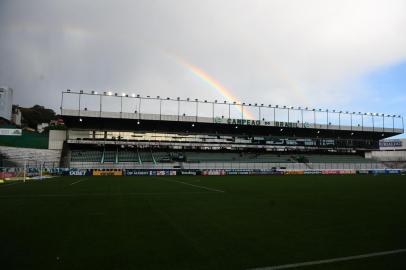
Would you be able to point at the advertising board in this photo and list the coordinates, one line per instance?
(107, 172)
(80, 172)
(214, 172)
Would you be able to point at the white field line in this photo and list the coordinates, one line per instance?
(74, 183)
(101, 194)
(333, 260)
(184, 183)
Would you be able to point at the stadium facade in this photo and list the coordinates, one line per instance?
(138, 132)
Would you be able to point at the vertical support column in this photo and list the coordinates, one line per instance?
(274, 115)
(197, 108)
(178, 108)
(62, 102)
(212, 111)
(139, 108)
(373, 123)
(351, 120)
(80, 95)
(314, 118)
(259, 113)
(100, 105)
(160, 109)
(383, 122)
(229, 110)
(121, 106)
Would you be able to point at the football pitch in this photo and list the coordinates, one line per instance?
(197, 222)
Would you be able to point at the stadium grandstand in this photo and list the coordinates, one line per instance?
(120, 131)
(111, 130)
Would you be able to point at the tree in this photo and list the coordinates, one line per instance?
(36, 115)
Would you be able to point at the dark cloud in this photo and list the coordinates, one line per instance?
(285, 52)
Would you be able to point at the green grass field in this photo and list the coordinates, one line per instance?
(233, 222)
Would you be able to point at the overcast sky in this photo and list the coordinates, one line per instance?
(347, 55)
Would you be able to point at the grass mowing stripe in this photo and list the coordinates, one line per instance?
(334, 260)
(184, 183)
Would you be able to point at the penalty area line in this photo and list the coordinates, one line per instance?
(333, 260)
(187, 184)
(74, 183)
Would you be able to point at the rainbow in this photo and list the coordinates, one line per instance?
(217, 86)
